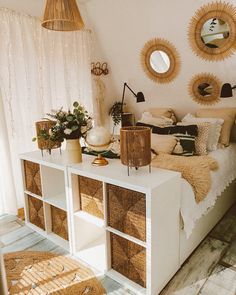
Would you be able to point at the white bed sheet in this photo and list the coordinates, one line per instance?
(190, 210)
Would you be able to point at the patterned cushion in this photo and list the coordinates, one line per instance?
(187, 143)
(158, 112)
(227, 114)
(215, 129)
(202, 138)
(147, 118)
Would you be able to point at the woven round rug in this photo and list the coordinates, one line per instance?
(47, 273)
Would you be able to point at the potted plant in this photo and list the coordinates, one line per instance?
(69, 125)
(115, 112)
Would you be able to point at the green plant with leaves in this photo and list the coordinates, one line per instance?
(115, 112)
(68, 125)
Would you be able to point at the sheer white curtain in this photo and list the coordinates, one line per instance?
(40, 70)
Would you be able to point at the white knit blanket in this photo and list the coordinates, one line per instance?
(190, 210)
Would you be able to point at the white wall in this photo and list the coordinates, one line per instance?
(121, 29)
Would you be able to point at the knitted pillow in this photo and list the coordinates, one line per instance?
(227, 114)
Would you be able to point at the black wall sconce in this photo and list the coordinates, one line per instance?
(127, 119)
(227, 90)
(139, 96)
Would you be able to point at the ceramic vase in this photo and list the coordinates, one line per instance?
(73, 152)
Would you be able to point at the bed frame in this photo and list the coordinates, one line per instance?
(206, 223)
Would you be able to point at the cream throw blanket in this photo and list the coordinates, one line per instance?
(196, 170)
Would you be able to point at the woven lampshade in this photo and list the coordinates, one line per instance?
(62, 15)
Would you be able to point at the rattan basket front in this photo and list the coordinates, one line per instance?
(59, 222)
(32, 178)
(129, 259)
(127, 211)
(36, 214)
(91, 196)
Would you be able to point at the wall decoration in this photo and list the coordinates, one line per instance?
(99, 69)
(160, 60)
(205, 89)
(212, 31)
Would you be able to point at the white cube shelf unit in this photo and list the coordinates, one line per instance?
(45, 192)
(117, 223)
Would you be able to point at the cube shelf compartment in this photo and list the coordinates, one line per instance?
(32, 178)
(91, 196)
(59, 222)
(129, 259)
(127, 211)
(45, 183)
(36, 212)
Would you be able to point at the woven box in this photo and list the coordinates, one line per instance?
(36, 214)
(129, 259)
(32, 178)
(91, 196)
(59, 222)
(127, 211)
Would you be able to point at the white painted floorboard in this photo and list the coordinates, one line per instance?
(210, 270)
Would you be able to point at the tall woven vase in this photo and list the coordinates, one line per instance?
(73, 152)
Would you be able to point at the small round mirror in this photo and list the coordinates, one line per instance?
(215, 33)
(205, 89)
(160, 61)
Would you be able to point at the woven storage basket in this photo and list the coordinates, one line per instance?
(129, 259)
(36, 214)
(32, 178)
(59, 222)
(44, 144)
(91, 196)
(127, 211)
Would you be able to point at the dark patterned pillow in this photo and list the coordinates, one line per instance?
(174, 129)
(187, 145)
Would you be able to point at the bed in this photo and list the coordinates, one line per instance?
(199, 219)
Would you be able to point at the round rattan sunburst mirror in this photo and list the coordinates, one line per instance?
(160, 60)
(205, 89)
(212, 31)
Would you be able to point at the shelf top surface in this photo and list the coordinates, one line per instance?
(55, 159)
(115, 172)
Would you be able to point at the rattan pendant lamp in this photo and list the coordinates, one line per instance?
(62, 15)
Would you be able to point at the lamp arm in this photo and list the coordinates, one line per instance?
(130, 89)
(234, 87)
(123, 97)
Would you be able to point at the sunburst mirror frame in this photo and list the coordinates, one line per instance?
(221, 10)
(210, 79)
(174, 57)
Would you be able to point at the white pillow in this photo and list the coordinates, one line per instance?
(163, 144)
(215, 129)
(147, 118)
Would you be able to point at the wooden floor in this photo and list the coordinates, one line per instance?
(211, 269)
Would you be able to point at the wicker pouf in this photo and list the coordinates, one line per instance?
(59, 222)
(129, 259)
(32, 178)
(91, 196)
(36, 214)
(127, 211)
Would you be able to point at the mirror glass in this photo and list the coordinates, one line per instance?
(205, 89)
(160, 61)
(215, 33)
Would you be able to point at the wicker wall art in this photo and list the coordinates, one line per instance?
(127, 211)
(91, 196)
(32, 178)
(36, 214)
(129, 259)
(59, 222)
(205, 89)
(212, 31)
(160, 60)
